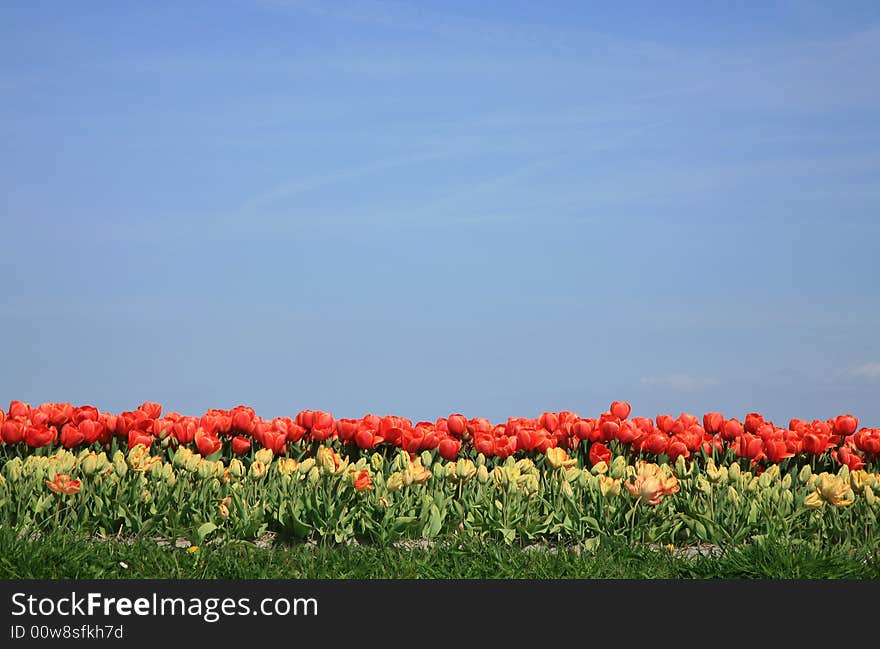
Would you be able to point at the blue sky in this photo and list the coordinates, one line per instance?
(417, 208)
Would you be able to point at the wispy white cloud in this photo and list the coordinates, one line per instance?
(869, 370)
(678, 382)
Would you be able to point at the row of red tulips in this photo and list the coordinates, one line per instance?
(240, 428)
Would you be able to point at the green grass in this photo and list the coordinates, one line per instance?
(62, 556)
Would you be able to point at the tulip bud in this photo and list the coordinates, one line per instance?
(287, 466)
(733, 472)
(89, 464)
(584, 478)
(401, 460)
(119, 465)
(599, 468)
(377, 462)
(703, 485)
(498, 476)
(205, 470)
(608, 486)
(156, 470)
(450, 472)
(567, 491)
(395, 481)
(572, 474)
(236, 468)
(193, 462)
(264, 455)
(618, 467)
(168, 475)
(257, 470)
(180, 457)
(465, 469)
(481, 459)
(556, 457)
(525, 465)
(427, 457)
(765, 480)
(786, 481)
(870, 498)
(482, 473)
(805, 474)
(314, 475)
(844, 472)
(680, 466)
(13, 469)
(732, 494)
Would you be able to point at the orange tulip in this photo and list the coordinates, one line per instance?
(62, 484)
(362, 481)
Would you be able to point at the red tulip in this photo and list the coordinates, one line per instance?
(731, 429)
(620, 409)
(275, 440)
(753, 421)
(845, 425)
(845, 455)
(58, 414)
(866, 440)
(85, 413)
(549, 421)
(584, 429)
(457, 425)
(665, 423)
(39, 436)
(240, 445)
(609, 429)
(136, 437)
(207, 443)
(367, 438)
(12, 431)
(599, 453)
(816, 443)
(243, 420)
(750, 446)
(19, 409)
(346, 428)
(776, 450)
(71, 436)
(655, 443)
(449, 448)
(712, 422)
(687, 420)
(150, 409)
(677, 448)
(185, 429)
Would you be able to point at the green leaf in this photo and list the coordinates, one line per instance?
(434, 523)
(205, 529)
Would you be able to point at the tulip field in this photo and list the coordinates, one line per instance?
(558, 478)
